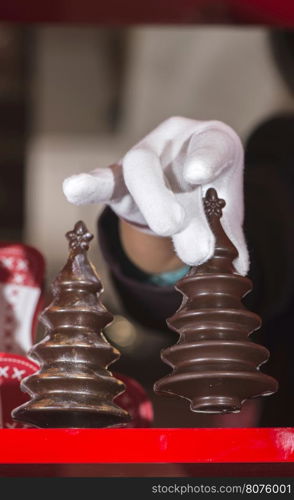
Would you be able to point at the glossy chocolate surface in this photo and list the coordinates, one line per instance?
(73, 387)
(215, 364)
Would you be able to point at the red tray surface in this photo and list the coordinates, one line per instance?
(254, 445)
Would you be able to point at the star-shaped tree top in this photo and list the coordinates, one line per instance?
(213, 205)
(80, 237)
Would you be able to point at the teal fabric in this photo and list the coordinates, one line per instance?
(168, 278)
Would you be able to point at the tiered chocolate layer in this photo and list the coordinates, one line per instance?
(73, 387)
(215, 364)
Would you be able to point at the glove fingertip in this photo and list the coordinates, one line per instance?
(80, 189)
(242, 264)
(194, 253)
(197, 171)
(69, 188)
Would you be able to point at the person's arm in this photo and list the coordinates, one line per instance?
(150, 253)
(148, 300)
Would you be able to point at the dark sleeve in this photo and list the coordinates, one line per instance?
(148, 304)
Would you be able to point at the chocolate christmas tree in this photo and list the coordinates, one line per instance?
(73, 387)
(215, 364)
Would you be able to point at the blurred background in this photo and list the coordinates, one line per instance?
(75, 98)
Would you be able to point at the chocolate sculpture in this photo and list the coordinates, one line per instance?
(73, 387)
(215, 365)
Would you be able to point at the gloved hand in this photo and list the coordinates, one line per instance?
(159, 185)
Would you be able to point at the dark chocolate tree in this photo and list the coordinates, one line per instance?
(215, 364)
(73, 387)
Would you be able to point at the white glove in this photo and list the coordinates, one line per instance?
(159, 185)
